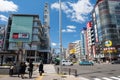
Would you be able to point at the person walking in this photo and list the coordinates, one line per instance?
(22, 69)
(41, 68)
(30, 69)
(11, 69)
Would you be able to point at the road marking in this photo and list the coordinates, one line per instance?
(39, 78)
(106, 78)
(96, 79)
(115, 78)
(82, 78)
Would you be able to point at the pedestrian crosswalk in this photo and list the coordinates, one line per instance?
(102, 78)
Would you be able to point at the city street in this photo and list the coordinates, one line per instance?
(97, 72)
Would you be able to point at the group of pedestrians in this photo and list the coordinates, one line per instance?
(22, 68)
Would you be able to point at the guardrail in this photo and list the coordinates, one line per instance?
(67, 70)
(4, 69)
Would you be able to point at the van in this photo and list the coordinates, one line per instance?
(67, 63)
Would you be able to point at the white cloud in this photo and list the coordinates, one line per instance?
(76, 41)
(3, 18)
(54, 44)
(75, 11)
(69, 28)
(6, 6)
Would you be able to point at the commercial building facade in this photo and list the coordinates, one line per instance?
(25, 38)
(106, 23)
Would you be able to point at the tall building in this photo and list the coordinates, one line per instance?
(25, 37)
(106, 21)
(78, 50)
(2, 33)
(83, 37)
(70, 50)
(90, 41)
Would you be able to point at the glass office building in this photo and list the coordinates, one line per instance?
(106, 21)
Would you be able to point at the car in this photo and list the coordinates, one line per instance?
(85, 62)
(66, 63)
(115, 62)
(56, 61)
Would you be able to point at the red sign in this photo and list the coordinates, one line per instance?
(15, 35)
(20, 35)
(89, 24)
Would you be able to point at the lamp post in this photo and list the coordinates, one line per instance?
(60, 35)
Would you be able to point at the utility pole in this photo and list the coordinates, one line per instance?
(60, 35)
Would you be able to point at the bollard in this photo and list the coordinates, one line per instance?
(75, 72)
(58, 70)
(69, 71)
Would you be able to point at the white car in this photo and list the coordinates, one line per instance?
(67, 63)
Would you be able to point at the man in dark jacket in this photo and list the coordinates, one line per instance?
(30, 69)
(41, 68)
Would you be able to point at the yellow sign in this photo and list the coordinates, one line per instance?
(108, 43)
(72, 51)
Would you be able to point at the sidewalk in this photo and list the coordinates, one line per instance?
(49, 74)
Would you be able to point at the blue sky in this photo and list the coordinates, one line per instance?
(75, 15)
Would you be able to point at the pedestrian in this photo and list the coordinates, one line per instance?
(22, 69)
(30, 69)
(41, 68)
(11, 70)
(18, 68)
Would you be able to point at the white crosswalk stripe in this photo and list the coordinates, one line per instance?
(97, 79)
(105, 78)
(116, 78)
(102, 78)
(82, 78)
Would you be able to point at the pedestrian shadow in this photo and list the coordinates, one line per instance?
(25, 77)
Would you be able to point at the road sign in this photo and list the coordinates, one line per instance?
(108, 43)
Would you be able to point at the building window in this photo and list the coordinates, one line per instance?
(12, 46)
(35, 30)
(35, 38)
(35, 24)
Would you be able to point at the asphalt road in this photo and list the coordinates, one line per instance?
(96, 71)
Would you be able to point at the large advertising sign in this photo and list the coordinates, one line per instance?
(20, 35)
